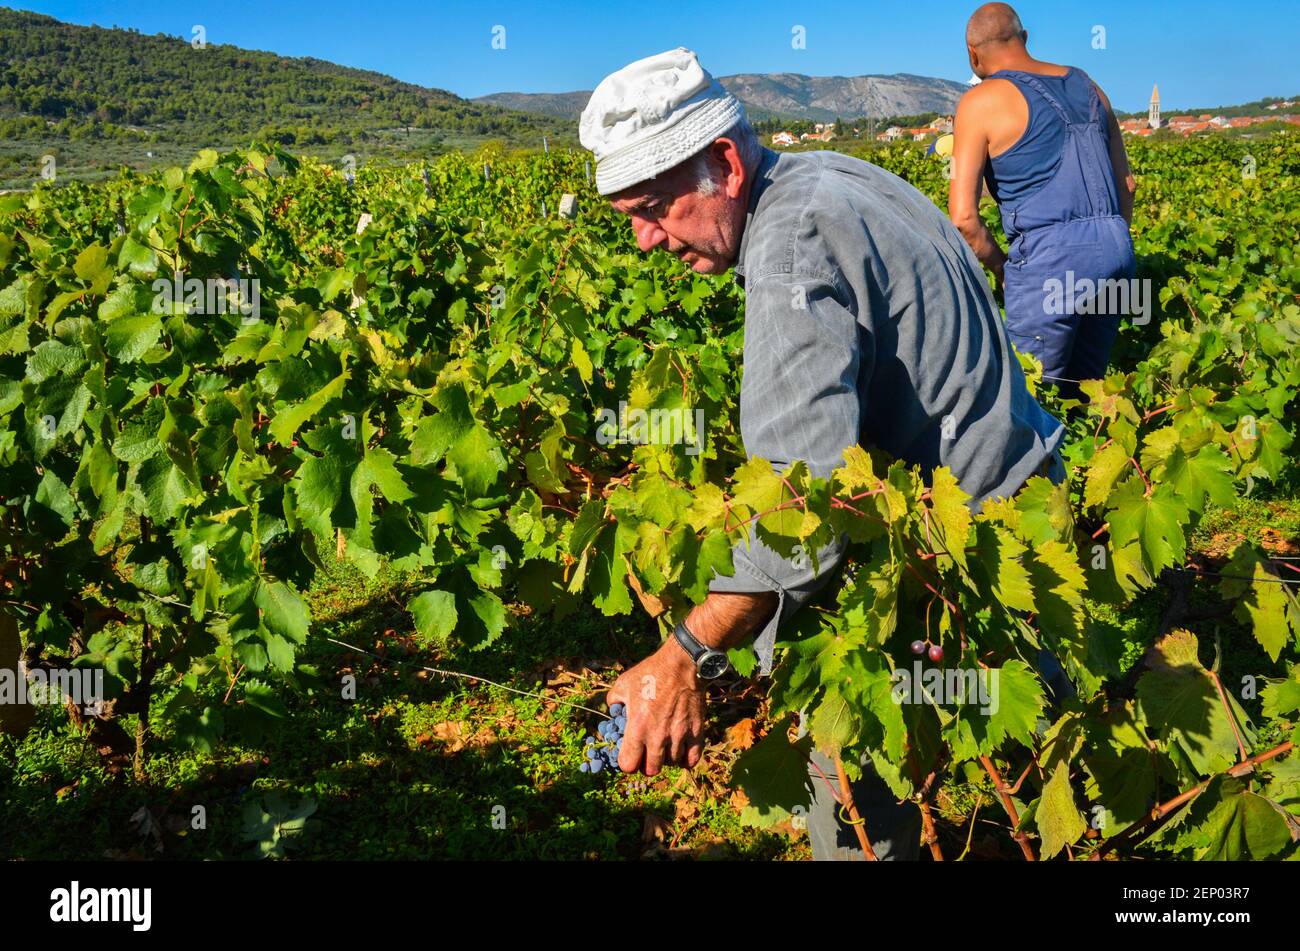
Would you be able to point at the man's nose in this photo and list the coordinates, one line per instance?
(648, 233)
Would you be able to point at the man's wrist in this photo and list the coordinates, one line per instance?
(676, 655)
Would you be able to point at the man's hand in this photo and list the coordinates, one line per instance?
(665, 712)
(664, 698)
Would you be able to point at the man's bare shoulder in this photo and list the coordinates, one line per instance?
(988, 97)
(1044, 68)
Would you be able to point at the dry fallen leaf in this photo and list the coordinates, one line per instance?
(451, 732)
(456, 734)
(1276, 543)
(656, 829)
(686, 809)
(740, 736)
(653, 605)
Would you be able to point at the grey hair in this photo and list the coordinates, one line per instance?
(747, 145)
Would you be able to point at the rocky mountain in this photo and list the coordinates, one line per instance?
(787, 95)
(563, 105)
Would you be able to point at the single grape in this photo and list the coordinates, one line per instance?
(918, 647)
(586, 766)
(616, 710)
(597, 765)
(936, 653)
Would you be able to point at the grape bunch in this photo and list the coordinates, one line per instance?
(601, 751)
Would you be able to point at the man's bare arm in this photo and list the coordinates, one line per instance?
(1125, 183)
(969, 154)
(725, 620)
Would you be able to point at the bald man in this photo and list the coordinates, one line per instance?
(1045, 139)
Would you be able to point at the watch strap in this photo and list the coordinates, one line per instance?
(689, 642)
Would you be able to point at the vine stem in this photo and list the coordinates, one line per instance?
(859, 824)
(834, 794)
(928, 833)
(1141, 830)
(1021, 839)
(1156, 412)
(1227, 709)
(1138, 466)
(233, 681)
(180, 235)
(969, 835)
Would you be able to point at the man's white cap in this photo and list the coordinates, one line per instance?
(651, 115)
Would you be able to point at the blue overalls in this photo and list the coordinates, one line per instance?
(1067, 229)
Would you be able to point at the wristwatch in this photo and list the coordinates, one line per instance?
(709, 664)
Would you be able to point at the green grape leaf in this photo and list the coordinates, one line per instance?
(1241, 825)
(1282, 697)
(1044, 509)
(1059, 821)
(1155, 521)
(952, 517)
(1207, 473)
(435, 616)
(997, 564)
(774, 777)
(1103, 472)
(283, 611)
(1178, 699)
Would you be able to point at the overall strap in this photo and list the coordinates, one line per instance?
(1094, 100)
(1031, 80)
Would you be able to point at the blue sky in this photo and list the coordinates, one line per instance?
(1202, 53)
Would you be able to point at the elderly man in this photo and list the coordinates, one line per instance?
(1046, 140)
(867, 320)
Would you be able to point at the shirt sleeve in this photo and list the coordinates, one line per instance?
(800, 399)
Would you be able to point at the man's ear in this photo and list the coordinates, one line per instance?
(974, 59)
(727, 155)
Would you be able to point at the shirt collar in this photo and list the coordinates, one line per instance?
(762, 178)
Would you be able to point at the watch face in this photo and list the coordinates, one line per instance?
(713, 664)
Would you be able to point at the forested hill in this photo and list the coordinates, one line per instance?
(91, 82)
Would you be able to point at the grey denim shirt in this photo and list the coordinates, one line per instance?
(868, 320)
